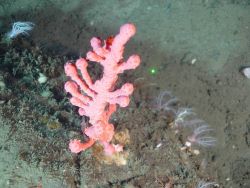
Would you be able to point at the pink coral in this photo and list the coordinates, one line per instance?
(99, 99)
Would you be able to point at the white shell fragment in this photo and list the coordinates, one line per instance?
(42, 78)
(158, 145)
(193, 61)
(246, 72)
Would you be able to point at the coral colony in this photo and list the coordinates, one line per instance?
(20, 28)
(100, 99)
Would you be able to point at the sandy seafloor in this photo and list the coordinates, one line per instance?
(197, 48)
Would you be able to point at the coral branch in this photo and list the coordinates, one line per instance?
(98, 100)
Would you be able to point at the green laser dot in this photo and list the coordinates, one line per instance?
(153, 71)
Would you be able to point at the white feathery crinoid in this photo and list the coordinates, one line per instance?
(181, 117)
(200, 137)
(20, 28)
(166, 102)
